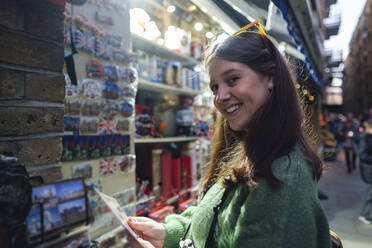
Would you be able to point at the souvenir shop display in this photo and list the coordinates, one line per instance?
(173, 73)
(144, 122)
(185, 119)
(99, 110)
(110, 111)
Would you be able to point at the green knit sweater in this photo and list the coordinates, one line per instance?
(288, 216)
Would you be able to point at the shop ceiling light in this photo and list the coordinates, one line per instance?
(171, 8)
(209, 35)
(198, 26)
(191, 8)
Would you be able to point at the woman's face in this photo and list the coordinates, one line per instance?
(238, 91)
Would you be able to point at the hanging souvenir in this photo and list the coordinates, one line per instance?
(81, 151)
(114, 40)
(106, 126)
(128, 91)
(71, 124)
(108, 108)
(107, 166)
(66, 151)
(90, 108)
(126, 108)
(107, 145)
(108, 52)
(90, 43)
(111, 73)
(94, 147)
(122, 125)
(95, 69)
(120, 55)
(127, 163)
(110, 90)
(97, 31)
(72, 107)
(129, 75)
(100, 48)
(125, 149)
(89, 125)
(79, 39)
(90, 88)
(70, 90)
(104, 19)
(81, 23)
(117, 143)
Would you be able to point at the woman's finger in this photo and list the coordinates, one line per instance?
(140, 219)
(145, 243)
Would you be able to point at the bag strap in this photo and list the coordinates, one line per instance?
(216, 208)
(209, 242)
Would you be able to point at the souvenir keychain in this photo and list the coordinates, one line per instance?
(122, 125)
(90, 88)
(126, 108)
(93, 147)
(116, 144)
(129, 75)
(111, 73)
(107, 166)
(128, 91)
(79, 39)
(114, 40)
(95, 69)
(127, 162)
(110, 90)
(106, 125)
(108, 108)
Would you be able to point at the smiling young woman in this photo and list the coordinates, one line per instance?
(260, 189)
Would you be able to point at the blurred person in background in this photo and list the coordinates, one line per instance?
(349, 132)
(365, 156)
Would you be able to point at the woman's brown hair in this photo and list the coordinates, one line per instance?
(273, 131)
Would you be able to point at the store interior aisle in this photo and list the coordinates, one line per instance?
(345, 196)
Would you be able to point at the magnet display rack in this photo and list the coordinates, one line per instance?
(101, 32)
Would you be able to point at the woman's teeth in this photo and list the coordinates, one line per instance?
(233, 108)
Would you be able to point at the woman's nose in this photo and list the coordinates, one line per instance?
(223, 94)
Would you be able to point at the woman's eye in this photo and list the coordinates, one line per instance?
(232, 80)
(214, 88)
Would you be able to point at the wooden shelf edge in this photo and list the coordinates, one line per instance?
(141, 43)
(163, 140)
(144, 84)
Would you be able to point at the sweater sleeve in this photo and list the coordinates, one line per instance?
(176, 225)
(365, 153)
(289, 216)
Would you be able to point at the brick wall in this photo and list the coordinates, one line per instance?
(32, 85)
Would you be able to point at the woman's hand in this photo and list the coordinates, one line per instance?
(149, 230)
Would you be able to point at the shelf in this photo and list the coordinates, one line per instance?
(163, 140)
(144, 84)
(145, 200)
(140, 43)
